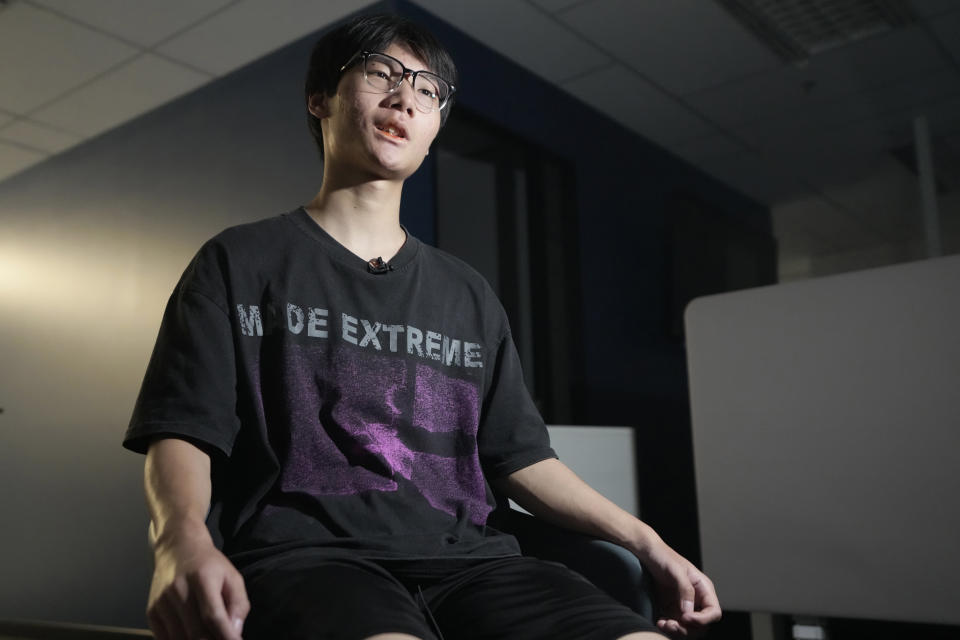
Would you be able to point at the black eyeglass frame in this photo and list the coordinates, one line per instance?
(362, 55)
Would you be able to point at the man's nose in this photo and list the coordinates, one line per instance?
(403, 96)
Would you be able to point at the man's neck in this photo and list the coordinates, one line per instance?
(364, 218)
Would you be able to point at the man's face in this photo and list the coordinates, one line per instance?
(376, 135)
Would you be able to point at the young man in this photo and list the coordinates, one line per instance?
(329, 402)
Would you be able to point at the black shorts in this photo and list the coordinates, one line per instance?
(306, 596)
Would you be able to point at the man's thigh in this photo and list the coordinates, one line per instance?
(528, 599)
(306, 598)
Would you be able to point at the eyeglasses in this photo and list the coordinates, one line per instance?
(385, 73)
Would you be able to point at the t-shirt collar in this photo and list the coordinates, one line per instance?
(334, 249)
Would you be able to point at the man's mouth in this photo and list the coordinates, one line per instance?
(392, 131)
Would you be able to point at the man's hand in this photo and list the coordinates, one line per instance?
(552, 491)
(196, 593)
(686, 596)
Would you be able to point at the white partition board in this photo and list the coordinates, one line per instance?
(826, 430)
(603, 456)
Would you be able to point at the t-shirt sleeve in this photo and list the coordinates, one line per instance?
(512, 434)
(189, 389)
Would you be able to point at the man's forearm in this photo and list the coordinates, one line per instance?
(196, 592)
(550, 490)
(177, 481)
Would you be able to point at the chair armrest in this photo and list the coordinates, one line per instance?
(609, 566)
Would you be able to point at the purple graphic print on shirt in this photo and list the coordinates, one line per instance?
(361, 422)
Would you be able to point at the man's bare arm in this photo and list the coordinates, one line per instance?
(551, 491)
(196, 592)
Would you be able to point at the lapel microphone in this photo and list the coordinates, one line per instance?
(378, 266)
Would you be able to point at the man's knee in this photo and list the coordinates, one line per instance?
(642, 635)
(393, 636)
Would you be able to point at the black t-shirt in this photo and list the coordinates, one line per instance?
(342, 409)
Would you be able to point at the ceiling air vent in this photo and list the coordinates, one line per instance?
(798, 29)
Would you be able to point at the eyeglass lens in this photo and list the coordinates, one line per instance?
(385, 74)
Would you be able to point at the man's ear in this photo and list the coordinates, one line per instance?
(317, 105)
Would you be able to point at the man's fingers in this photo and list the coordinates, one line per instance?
(686, 592)
(235, 598)
(211, 609)
(157, 626)
(672, 627)
(172, 619)
(709, 606)
(701, 618)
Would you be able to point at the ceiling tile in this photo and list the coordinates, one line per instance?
(760, 177)
(833, 225)
(757, 97)
(927, 8)
(711, 145)
(874, 66)
(253, 28)
(627, 98)
(873, 62)
(839, 168)
(944, 115)
(796, 251)
(14, 159)
(886, 198)
(38, 136)
(947, 30)
(52, 56)
(558, 5)
(816, 150)
(913, 93)
(145, 22)
(137, 87)
(800, 135)
(952, 141)
(682, 45)
(533, 40)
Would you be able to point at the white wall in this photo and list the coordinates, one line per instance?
(92, 243)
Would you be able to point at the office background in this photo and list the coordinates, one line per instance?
(622, 157)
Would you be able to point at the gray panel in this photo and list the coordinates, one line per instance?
(825, 423)
(603, 457)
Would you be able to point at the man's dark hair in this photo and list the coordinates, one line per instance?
(371, 33)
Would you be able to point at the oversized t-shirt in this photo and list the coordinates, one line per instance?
(343, 409)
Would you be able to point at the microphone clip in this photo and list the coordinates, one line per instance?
(378, 266)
